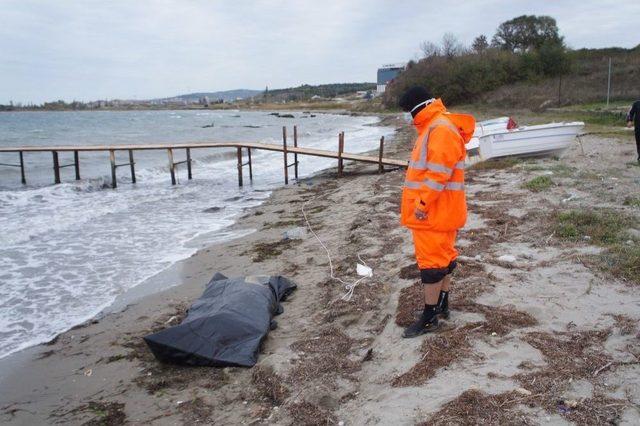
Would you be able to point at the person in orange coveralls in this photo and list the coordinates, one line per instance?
(433, 199)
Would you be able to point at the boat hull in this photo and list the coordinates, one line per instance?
(542, 140)
(483, 128)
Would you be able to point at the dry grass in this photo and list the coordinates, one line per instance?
(325, 357)
(625, 324)
(106, 413)
(571, 356)
(473, 407)
(307, 414)
(500, 320)
(195, 411)
(411, 298)
(157, 378)
(269, 384)
(470, 269)
(264, 251)
(366, 299)
(102, 413)
(452, 344)
(439, 350)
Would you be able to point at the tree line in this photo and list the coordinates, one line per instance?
(525, 48)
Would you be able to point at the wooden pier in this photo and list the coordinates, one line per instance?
(296, 150)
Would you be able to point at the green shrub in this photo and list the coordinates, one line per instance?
(605, 228)
(622, 260)
(467, 76)
(631, 201)
(539, 183)
(602, 227)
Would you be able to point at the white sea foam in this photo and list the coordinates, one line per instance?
(67, 251)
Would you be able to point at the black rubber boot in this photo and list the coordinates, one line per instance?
(427, 323)
(443, 305)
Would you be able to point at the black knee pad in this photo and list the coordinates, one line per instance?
(451, 267)
(433, 275)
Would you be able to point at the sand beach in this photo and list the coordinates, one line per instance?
(544, 325)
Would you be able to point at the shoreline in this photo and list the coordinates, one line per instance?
(183, 281)
(150, 281)
(331, 361)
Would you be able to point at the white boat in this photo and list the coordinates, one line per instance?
(486, 127)
(540, 140)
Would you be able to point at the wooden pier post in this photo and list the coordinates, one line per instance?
(189, 176)
(380, 152)
(284, 150)
(340, 150)
(132, 166)
(112, 158)
(239, 153)
(56, 167)
(76, 164)
(172, 166)
(295, 155)
(22, 177)
(298, 151)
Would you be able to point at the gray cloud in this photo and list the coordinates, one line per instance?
(151, 48)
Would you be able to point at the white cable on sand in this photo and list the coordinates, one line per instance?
(349, 287)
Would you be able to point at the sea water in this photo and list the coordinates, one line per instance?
(67, 251)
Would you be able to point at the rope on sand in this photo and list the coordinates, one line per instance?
(349, 287)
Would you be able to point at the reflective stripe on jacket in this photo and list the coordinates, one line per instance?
(435, 178)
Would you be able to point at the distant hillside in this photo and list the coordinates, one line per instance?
(526, 63)
(226, 95)
(586, 81)
(306, 91)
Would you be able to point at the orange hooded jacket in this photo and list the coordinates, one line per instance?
(435, 178)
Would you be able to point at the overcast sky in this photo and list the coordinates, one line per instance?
(105, 49)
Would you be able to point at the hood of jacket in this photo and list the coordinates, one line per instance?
(465, 123)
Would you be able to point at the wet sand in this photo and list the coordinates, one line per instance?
(332, 361)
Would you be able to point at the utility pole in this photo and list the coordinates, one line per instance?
(559, 89)
(609, 83)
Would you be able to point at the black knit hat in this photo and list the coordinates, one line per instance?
(412, 97)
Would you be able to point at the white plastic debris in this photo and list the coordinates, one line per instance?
(507, 258)
(364, 270)
(523, 391)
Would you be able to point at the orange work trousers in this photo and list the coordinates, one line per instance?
(434, 249)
